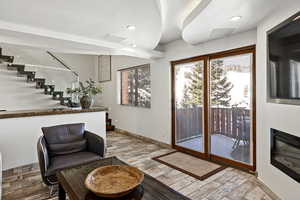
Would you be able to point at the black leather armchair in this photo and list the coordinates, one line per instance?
(65, 146)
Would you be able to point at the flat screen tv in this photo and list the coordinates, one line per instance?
(284, 62)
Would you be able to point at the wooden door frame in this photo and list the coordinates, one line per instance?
(207, 155)
(204, 154)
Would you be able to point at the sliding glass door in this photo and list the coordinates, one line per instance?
(188, 81)
(230, 118)
(213, 106)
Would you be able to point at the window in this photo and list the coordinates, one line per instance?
(136, 86)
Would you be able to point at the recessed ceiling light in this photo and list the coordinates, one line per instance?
(133, 45)
(130, 27)
(235, 18)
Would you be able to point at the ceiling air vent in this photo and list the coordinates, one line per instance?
(221, 32)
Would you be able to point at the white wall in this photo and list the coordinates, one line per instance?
(155, 122)
(18, 143)
(281, 117)
(83, 64)
(16, 94)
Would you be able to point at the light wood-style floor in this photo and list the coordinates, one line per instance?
(230, 184)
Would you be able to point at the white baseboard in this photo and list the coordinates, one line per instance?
(266, 188)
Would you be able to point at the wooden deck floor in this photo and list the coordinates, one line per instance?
(24, 183)
(221, 145)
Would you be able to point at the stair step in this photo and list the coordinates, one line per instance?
(24, 73)
(49, 89)
(108, 122)
(21, 70)
(110, 128)
(28, 72)
(74, 105)
(65, 101)
(15, 67)
(5, 58)
(57, 95)
(40, 83)
(31, 77)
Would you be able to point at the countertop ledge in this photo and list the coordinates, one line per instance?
(42, 112)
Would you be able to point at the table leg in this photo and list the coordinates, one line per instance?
(61, 193)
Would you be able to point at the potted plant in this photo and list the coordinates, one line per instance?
(86, 93)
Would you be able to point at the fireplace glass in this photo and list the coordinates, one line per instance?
(285, 153)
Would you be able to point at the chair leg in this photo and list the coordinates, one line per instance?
(235, 143)
(53, 190)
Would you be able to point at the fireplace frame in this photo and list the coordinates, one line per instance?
(290, 140)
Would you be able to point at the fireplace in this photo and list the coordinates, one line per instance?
(285, 153)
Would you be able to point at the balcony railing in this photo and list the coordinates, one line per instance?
(232, 122)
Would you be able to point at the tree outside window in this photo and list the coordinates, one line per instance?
(136, 86)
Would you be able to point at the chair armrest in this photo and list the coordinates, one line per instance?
(43, 156)
(95, 143)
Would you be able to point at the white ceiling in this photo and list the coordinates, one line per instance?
(173, 13)
(99, 20)
(99, 26)
(93, 18)
(212, 20)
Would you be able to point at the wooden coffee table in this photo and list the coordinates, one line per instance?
(71, 181)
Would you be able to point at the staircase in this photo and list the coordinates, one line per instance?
(5, 58)
(40, 83)
(109, 126)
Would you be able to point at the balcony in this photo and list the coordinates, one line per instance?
(229, 128)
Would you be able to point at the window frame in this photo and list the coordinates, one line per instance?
(135, 68)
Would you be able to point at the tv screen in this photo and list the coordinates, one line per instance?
(284, 60)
